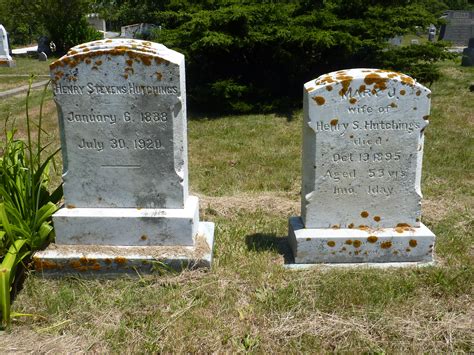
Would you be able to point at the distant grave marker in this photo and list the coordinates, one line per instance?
(42, 57)
(5, 58)
(362, 152)
(459, 27)
(122, 114)
(468, 54)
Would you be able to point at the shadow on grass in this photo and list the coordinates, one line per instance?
(260, 242)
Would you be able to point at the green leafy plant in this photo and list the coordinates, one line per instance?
(26, 205)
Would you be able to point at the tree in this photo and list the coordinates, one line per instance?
(254, 56)
(65, 22)
(20, 19)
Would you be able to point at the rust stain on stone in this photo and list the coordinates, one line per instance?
(319, 100)
(374, 78)
(372, 239)
(120, 260)
(386, 245)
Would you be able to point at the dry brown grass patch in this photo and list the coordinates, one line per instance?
(23, 340)
(269, 202)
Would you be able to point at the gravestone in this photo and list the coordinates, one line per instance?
(96, 22)
(459, 27)
(468, 54)
(44, 45)
(362, 151)
(122, 115)
(42, 57)
(431, 33)
(5, 58)
(137, 30)
(396, 41)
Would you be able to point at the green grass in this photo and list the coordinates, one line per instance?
(25, 65)
(14, 77)
(406, 41)
(246, 171)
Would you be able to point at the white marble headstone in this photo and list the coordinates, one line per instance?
(5, 58)
(122, 116)
(363, 136)
(122, 112)
(362, 156)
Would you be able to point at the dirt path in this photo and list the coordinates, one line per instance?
(21, 89)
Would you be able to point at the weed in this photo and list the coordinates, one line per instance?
(26, 205)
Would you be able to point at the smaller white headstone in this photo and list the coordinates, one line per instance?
(362, 152)
(5, 58)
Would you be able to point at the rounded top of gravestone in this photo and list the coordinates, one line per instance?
(145, 51)
(363, 80)
(42, 57)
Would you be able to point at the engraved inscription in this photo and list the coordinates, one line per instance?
(362, 149)
(126, 129)
(100, 89)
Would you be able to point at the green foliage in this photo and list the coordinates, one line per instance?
(416, 60)
(26, 205)
(245, 57)
(20, 18)
(63, 21)
(66, 24)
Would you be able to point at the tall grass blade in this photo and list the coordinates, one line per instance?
(26, 205)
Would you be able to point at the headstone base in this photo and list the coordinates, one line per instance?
(88, 260)
(344, 246)
(128, 226)
(10, 63)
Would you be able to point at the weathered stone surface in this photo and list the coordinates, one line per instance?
(363, 143)
(362, 153)
(384, 245)
(5, 58)
(128, 226)
(122, 114)
(110, 261)
(459, 27)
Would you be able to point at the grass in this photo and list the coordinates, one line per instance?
(27, 66)
(246, 171)
(18, 76)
